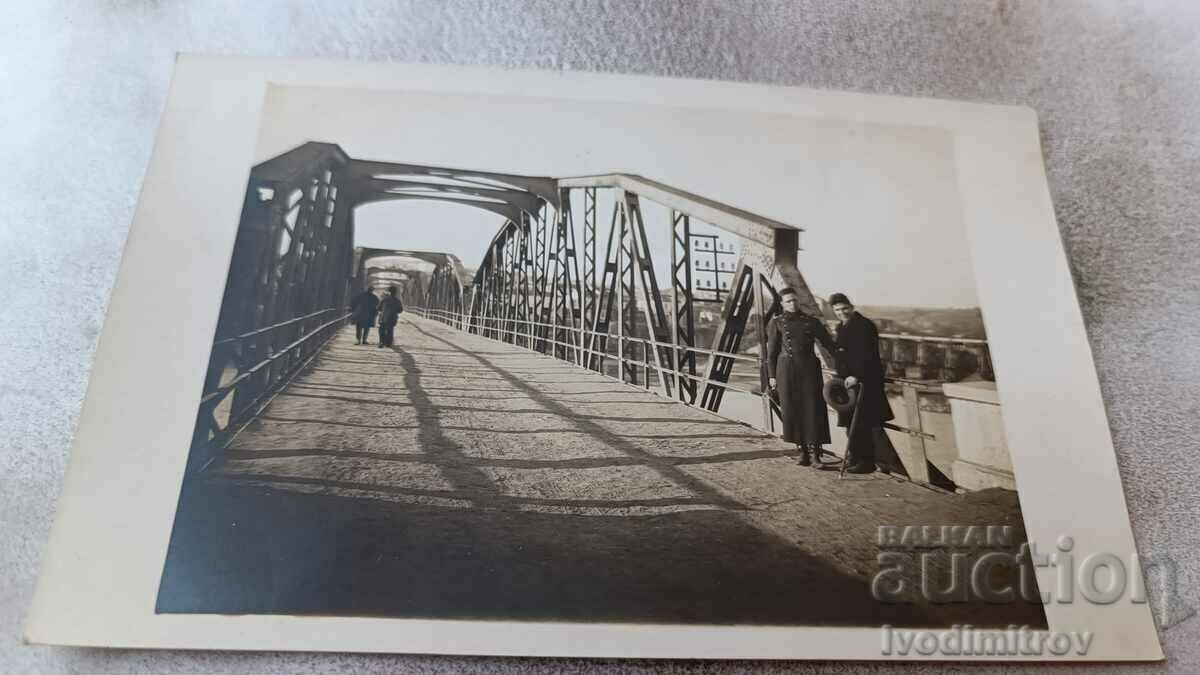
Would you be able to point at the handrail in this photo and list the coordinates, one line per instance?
(222, 390)
(616, 356)
(920, 385)
(264, 379)
(462, 321)
(268, 329)
(511, 332)
(932, 338)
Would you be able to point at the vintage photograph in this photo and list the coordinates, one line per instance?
(519, 359)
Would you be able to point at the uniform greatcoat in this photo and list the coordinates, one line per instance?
(792, 361)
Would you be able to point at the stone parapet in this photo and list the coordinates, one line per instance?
(983, 456)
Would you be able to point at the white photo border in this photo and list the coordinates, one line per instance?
(101, 571)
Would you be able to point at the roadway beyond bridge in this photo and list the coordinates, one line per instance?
(457, 476)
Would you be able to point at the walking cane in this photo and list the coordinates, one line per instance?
(857, 389)
(833, 396)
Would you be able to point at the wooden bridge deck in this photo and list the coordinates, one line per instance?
(455, 476)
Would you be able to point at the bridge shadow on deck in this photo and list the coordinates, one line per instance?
(275, 544)
(247, 549)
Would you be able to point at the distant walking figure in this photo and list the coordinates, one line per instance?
(363, 308)
(858, 361)
(390, 308)
(795, 373)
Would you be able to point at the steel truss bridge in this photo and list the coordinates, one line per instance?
(596, 304)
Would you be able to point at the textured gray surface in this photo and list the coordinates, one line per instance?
(1115, 83)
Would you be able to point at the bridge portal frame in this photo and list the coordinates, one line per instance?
(295, 267)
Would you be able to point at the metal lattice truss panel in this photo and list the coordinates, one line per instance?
(295, 267)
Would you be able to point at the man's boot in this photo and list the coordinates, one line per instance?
(860, 464)
(805, 457)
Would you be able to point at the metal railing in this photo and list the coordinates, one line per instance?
(541, 340)
(247, 370)
(508, 333)
(936, 357)
(510, 330)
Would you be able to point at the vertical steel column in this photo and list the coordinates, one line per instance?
(574, 309)
(578, 320)
(566, 275)
(588, 320)
(511, 273)
(475, 310)
(541, 284)
(765, 314)
(287, 291)
(532, 288)
(520, 269)
(627, 302)
(249, 288)
(485, 293)
(489, 293)
(334, 278)
(497, 294)
(662, 357)
(683, 324)
(608, 292)
(341, 243)
(728, 339)
(504, 288)
(550, 302)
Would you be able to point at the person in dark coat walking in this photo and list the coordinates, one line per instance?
(858, 361)
(390, 308)
(363, 308)
(795, 373)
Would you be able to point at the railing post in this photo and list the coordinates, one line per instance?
(588, 278)
(647, 349)
(620, 356)
(918, 467)
(621, 296)
(554, 319)
(764, 368)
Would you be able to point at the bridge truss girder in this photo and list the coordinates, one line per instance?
(613, 307)
(294, 268)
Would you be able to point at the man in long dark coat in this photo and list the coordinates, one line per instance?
(362, 311)
(390, 308)
(795, 373)
(858, 361)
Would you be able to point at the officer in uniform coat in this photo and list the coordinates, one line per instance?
(795, 373)
(857, 358)
(390, 308)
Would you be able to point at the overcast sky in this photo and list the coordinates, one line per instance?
(879, 204)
